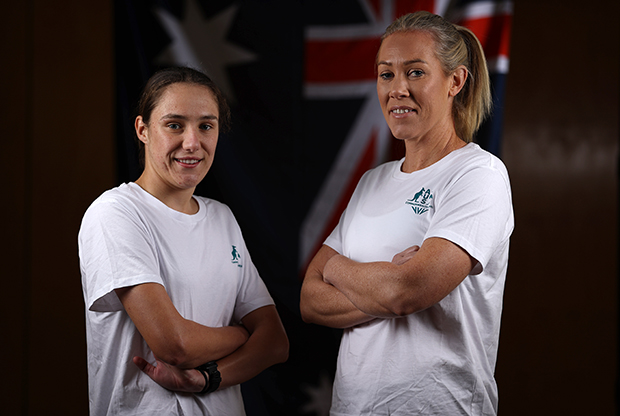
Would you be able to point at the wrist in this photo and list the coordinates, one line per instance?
(211, 377)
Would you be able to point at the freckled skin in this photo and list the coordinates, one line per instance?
(416, 96)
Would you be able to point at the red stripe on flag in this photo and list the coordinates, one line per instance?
(376, 8)
(366, 162)
(493, 33)
(335, 61)
(404, 7)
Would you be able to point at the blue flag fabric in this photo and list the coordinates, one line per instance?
(306, 125)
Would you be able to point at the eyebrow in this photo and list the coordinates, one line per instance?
(409, 62)
(181, 117)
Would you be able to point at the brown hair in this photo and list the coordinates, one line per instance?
(454, 46)
(162, 79)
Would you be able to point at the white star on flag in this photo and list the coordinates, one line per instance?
(201, 44)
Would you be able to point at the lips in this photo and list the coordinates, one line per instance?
(188, 162)
(400, 112)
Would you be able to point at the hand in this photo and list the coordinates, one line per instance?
(406, 255)
(170, 377)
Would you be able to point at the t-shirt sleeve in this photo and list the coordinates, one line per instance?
(334, 240)
(476, 213)
(116, 250)
(252, 293)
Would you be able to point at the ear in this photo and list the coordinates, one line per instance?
(458, 78)
(141, 129)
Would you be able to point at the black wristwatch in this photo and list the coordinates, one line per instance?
(214, 378)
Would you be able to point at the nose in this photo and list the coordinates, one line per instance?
(191, 141)
(399, 87)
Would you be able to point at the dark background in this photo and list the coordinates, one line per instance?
(558, 349)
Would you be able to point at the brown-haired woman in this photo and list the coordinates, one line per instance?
(166, 275)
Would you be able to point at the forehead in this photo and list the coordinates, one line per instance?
(188, 97)
(407, 46)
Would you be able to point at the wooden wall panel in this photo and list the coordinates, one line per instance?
(558, 348)
(14, 170)
(59, 110)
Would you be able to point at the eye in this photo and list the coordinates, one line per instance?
(386, 76)
(206, 127)
(416, 73)
(173, 126)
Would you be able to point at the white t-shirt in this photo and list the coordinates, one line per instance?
(129, 237)
(439, 361)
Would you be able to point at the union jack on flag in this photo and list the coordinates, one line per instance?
(339, 65)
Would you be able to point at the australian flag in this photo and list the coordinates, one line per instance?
(300, 78)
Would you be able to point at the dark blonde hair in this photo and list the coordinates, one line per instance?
(454, 46)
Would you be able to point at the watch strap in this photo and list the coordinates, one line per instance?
(212, 376)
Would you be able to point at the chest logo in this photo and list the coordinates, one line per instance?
(421, 202)
(236, 257)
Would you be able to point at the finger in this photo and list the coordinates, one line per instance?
(412, 249)
(143, 365)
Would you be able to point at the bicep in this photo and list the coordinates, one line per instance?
(436, 270)
(152, 312)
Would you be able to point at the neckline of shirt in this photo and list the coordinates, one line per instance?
(165, 209)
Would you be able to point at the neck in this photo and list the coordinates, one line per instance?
(178, 200)
(422, 153)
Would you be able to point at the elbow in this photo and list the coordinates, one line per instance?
(306, 311)
(402, 304)
(282, 351)
(278, 349)
(402, 310)
(309, 315)
(173, 352)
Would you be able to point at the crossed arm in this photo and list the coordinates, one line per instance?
(180, 344)
(340, 293)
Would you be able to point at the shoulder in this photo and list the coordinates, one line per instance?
(122, 195)
(120, 205)
(473, 156)
(474, 164)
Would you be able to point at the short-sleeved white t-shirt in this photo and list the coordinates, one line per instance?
(128, 237)
(439, 361)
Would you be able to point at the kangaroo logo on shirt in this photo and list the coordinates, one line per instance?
(421, 201)
(236, 257)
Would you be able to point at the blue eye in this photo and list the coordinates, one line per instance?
(416, 73)
(174, 126)
(206, 127)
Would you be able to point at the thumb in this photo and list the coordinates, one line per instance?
(141, 363)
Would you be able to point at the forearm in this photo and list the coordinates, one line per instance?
(172, 338)
(373, 288)
(266, 346)
(201, 344)
(404, 286)
(323, 304)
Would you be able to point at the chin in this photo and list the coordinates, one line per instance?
(400, 135)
